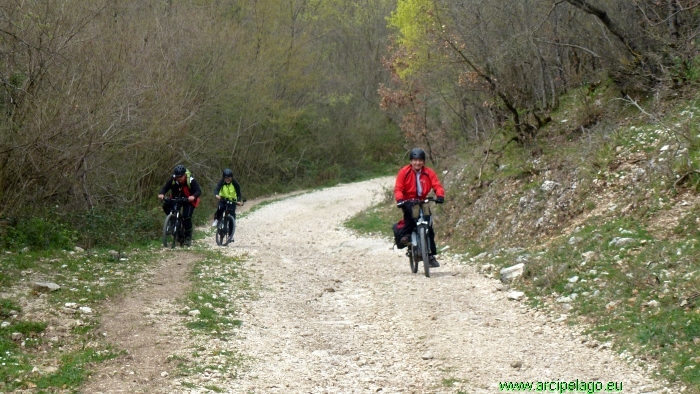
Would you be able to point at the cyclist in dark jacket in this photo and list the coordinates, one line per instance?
(182, 184)
(227, 189)
(415, 181)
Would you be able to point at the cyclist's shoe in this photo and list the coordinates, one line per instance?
(405, 240)
(188, 241)
(433, 262)
(215, 223)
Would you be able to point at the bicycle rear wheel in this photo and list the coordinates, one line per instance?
(424, 250)
(168, 229)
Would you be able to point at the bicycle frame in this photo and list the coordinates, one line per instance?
(420, 222)
(419, 248)
(230, 208)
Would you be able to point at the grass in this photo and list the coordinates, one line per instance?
(218, 283)
(638, 293)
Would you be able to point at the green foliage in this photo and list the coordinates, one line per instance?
(376, 220)
(114, 227)
(215, 314)
(412, 19)
(37, 232)
(118, 226)
(687, 69)
(7, 306)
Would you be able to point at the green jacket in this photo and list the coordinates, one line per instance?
(229, 191)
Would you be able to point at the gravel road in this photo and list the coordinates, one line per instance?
(341, 313)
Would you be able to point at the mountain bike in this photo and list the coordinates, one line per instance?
(419, 248)
(227, 225)
(173, 231)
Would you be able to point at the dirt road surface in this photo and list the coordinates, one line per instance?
(341, 313)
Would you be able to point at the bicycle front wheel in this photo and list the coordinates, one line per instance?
(168, 229)
(231, 227)
(413, 258)
(424, 250)
(221, 232)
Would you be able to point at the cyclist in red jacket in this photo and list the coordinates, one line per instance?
(415, 181)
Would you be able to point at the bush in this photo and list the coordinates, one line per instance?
(40, 232)
(117, 227)
(107, 227)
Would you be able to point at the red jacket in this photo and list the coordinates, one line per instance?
(405, 188)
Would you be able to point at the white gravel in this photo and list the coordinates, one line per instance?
(340, 313)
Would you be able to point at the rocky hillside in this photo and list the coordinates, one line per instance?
(604, 216)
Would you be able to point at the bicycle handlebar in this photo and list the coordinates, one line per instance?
(417, 201)
(233, 202)
(176, 199)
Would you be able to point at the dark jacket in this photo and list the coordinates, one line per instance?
(178, 190)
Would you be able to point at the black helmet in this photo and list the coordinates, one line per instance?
(417, 153)
(228, 173)
(179, 170)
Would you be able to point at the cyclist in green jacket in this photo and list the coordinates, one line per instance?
(227, 189)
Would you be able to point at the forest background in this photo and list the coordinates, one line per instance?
(100, 100)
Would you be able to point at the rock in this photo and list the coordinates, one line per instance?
(664, 148)
(164, 374)
(71, 305)
(79, 249)
(566, 307)
(194, 312)
(16, 336)
(573, 279)
(523, 202)
(516, 364)
(320, 353)
(481, 255)
(86, 310)
(511, 273)
(575, 240)
(653, 304)
(539, 222)
(4, 324)
(548, 186)
(621, 241)
(45, 286)
(516, 295)
(486, 268)
(564, 299)
(590, 255)
(427, 356)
